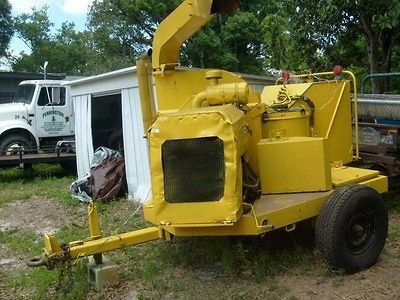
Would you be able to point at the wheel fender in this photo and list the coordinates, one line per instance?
(17, 127)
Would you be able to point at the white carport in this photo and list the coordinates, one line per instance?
(103, 103)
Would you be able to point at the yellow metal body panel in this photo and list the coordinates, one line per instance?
(51, 245)
(295, 164)
(254, 119)
(348, 175)
(181, 24)
(286, 124)
(225, 122)
(379, 184)
(147, 102)
(177, 89)
(270, 94)
(281, 210)
(332, 114)
(272, 212)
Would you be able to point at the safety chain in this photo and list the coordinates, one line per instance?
(65, 267)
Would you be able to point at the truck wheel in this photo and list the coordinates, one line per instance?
(352, 227)
(12, 144)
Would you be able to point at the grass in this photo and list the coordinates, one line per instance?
(48, 181)
(17, 242)
(394, 232)
(43, 180)
(392, 200)
(40, 281)
(184, 268)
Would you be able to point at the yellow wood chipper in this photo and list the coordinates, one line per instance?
(229, 161)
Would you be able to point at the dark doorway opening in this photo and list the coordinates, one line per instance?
(107, 122)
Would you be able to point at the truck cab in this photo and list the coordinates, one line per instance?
(39, 116)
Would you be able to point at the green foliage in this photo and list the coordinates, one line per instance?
(301, 35)
(126, 28)
(232, 43)
(66, 50)
(121, 30)
(6, 26)
(263, 36)
(34, 28)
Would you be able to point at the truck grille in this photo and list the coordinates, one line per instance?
(194, 170)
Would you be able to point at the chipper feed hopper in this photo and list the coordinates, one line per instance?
(228, 161)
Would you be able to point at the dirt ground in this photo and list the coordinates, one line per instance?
(33, 217)
(38, 215)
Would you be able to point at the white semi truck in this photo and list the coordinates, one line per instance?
(38, 125)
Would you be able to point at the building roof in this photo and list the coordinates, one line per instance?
(103, 75)
(43, 81)
(133, 70)
(30, 75)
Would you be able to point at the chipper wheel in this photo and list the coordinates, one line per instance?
(352, 227)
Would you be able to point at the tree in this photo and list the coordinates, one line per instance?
(34, 28)
(326, 32)
(6, 26)
(380, 21)
(67, 51)
(301, 35)
(126, 28)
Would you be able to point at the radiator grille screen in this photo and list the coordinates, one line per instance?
(194, 170)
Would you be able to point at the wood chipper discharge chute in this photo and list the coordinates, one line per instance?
(227, 160)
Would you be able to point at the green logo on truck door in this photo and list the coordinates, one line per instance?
(55, 122)
(53, 112)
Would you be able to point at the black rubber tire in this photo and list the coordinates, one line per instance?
(20, 139)
(13, 139)
(351, 228)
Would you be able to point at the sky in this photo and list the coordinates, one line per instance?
(59, 11)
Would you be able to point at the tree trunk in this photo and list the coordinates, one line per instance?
(379, 54)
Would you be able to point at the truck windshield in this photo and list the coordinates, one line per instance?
(24, 93)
